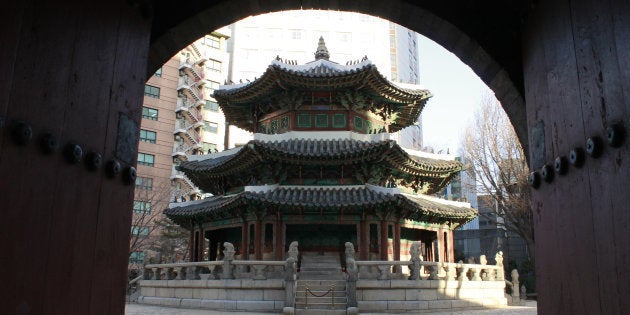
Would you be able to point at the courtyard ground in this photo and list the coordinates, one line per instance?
(138, 309)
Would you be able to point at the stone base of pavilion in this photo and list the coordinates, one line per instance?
(371, 286)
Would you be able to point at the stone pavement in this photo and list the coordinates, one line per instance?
(139, 309)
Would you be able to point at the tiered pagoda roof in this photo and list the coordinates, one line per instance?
(286, 80)
(208, 172)
(306, 200)
(316, 171)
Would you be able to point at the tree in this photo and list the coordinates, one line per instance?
(500, 169)
(150, 231)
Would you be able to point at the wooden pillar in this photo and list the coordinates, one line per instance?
(278, 243)
(364, 237)
(201, 244)
(440, 246)
(451, 246)
(258, 241)
(396, 241)
(383, 240)
(191, 245)
(245, 240)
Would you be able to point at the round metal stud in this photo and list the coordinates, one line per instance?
(112, 168)
(594, 146)
(615, 135)
(129, 175)
(547, 173)
(561, 165)
(577, 157)
(93, 161)
(48, 143)
(534, 179)
(73, 153)
(22, 133)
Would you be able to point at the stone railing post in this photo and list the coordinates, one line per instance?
(500, 271)
(515, 286)
(450, 271)
(475, 276)
(192, 273)
(170, 274)
(181, 273)
(147, 274)
(434, 273)
(384, 271)
(290, 272)
(351, 282)
(259, 272)
(414, 267)
(157, 274)
(463, 272)
(228, 257)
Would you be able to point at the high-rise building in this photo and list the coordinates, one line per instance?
(179, 118)
(349, 36)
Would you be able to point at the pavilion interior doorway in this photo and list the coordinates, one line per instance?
(321, 238)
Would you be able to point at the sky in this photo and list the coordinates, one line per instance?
(456, 90)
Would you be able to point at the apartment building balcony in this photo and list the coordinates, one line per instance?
(187, 130)
(188, 66)
(181, 150)
(190, 109)
(189, 86)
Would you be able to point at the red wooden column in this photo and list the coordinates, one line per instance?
(191, 245)
(384, 240)
(258, 242)
(279, 238)
(440, 245)
(245, 240)
(451, 248)
(201, 244)
(396, 241)
(364, 236)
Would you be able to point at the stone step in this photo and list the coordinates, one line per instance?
(319, 312)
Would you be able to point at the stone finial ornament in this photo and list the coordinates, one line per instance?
(499, 258)
(228, 251)
(349, 250)
(293, 250)
(322, 51)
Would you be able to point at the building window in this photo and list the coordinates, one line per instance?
(144, 183)
(140, 230)
(152, 91)
(273, 127)
(149, 113)
(321, 120)
(147, 136)
(214, 65)
(141, 207)
(210, 126)
(212, 106)
(146, 159)
(213, 85)
(304, 120)
(296, 34)
(136, 258)
(212, 41)
(339, 121)
(158, 73)
(358, 123)
(284, 122)
(209, 147)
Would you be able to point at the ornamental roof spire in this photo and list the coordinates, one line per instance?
(322, 51)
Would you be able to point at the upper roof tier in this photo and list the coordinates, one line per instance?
(356, 86)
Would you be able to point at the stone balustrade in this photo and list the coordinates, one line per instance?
(211, 270)
(428, 270)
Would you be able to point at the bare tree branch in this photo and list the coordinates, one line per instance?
(500, 170)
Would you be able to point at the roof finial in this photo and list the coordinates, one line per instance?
(322, 51)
